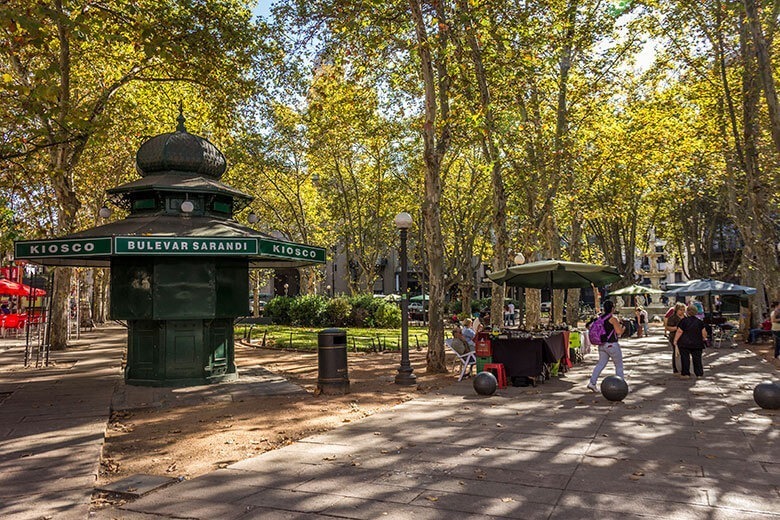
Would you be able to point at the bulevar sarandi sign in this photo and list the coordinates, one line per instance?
(142, 246)
(184, 246)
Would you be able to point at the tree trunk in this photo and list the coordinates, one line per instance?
(765, 70)
(490, 149)
(533, 306)
(436, 89)
(58, 337)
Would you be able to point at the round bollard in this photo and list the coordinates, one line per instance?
(614, 388)
(485, 383)
(767, 395)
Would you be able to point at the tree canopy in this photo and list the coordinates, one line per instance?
(501, 126)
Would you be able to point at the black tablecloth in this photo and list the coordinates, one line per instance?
(526, 357)
(557, 345)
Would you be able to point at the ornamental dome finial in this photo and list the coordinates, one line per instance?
(180, 127)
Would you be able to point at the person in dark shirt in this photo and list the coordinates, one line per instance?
(670, 325)
(766, 326)
(4, 309)
(689, 340)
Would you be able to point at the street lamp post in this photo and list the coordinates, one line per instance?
(403, 221)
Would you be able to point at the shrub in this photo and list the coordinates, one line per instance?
(337, 312)
(279, 309)
(363, 310)
(307, 310)
(387, 316)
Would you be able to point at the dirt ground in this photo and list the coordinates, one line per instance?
(187, 441)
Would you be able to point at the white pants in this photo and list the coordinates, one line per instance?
(608, 351)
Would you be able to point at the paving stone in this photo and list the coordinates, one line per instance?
(189, 509)
(610, 504)
(562, 512)
(291, 500)
(353, 489)
(370, 509)
(137, 485)
(56, 504)
(511, 506)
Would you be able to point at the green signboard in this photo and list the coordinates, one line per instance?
(277, 248)
(192, 246)
(63, 248)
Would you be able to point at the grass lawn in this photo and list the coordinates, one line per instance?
(358, 339)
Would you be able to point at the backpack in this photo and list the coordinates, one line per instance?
(597, 332)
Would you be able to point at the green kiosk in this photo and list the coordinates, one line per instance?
(179, 262)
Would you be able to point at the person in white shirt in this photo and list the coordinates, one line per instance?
(511, 309)
(774, 317)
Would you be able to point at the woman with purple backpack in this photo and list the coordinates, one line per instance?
(607, 343)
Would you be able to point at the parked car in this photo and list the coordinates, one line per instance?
(260, 304)
(415, 307)
(546, 306)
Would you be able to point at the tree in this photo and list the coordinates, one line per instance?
(65, 65)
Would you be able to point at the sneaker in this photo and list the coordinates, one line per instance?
(685, 377)
(592, 387)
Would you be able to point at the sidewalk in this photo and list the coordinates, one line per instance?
(53, 419)
(52, 423)
(672, 449)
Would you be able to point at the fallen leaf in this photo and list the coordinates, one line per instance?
(507, 499)
(331, 457)
(499, 425)
(432, 499)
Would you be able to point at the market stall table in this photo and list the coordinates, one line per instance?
(526, 357)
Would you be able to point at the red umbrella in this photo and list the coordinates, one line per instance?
(8, 287)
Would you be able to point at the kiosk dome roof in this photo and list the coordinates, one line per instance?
(180, 151)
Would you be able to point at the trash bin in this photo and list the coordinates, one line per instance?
(332, 362)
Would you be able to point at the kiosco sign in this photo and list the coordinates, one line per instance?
(289, 250)
(63, 248)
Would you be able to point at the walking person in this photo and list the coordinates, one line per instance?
(689, 339)
(775, 319)
(609, 348)
(678, 313)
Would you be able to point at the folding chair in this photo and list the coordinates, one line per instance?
(721, 334)
(467, 360)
